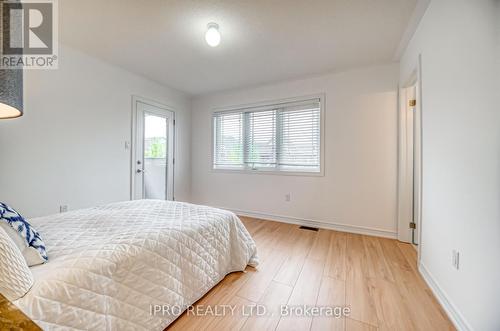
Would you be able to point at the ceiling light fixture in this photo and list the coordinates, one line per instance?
(212, 36)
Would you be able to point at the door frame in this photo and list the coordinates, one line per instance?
(406, 197)
(135, 100)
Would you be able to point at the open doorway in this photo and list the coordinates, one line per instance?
(410, 160)
(152, 151)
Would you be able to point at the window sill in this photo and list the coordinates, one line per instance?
(269, 172)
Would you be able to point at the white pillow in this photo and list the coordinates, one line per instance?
(30, 254)
(26, 238)
(16, 278)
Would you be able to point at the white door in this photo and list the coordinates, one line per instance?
(410, 165)
(153, 152)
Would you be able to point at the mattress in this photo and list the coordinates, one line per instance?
(110, 267)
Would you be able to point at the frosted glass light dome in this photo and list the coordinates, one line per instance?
(212, 36)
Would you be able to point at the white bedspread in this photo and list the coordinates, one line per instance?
(109, 264)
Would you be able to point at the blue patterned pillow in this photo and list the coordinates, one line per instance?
(23, 234)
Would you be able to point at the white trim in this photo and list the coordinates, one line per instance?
(268, 172)
(369, 231)
(151, 102)
(451, 310)
(265, 103)
(420, 156)
(320, 173)
(411, 28)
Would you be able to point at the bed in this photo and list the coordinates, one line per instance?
(111, 267)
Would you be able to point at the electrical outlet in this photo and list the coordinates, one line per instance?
(287, 197)
(63, 208)
(455, 259)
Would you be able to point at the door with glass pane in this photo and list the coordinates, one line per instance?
(153, 154)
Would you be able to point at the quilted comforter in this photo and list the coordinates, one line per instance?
(108, 266)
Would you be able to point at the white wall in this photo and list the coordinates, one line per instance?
(69, 147)
(459, 43)
(359, 186)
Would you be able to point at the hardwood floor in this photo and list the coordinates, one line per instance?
(376, 277)
(11, 318)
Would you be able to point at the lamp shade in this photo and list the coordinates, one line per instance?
(11, 93)
(11, 80)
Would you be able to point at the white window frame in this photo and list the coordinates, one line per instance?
(264, 171)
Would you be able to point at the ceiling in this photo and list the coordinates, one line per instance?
(262, 40)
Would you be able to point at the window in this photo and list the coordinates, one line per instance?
(155, 137)
(283, 137)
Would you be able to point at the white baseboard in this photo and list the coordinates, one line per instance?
(451, 310)
(318, 224)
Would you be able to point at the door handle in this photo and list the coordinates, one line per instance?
(139, 171)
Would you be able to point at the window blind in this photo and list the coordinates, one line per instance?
(260, 142)
(277, 137)
(229, 140)
(300, 137)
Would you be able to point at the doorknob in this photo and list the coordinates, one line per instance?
(139, 171)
